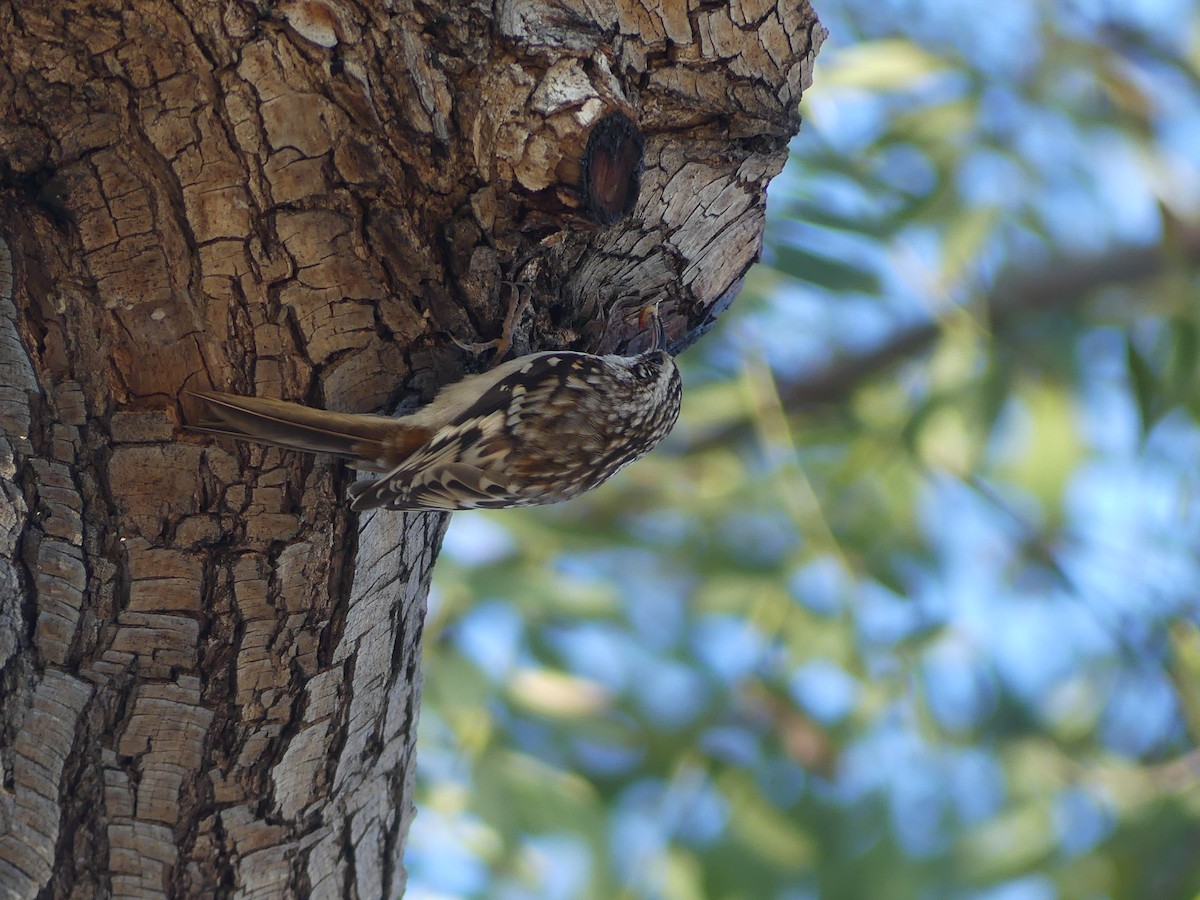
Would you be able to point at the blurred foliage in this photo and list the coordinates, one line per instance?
(907, 606)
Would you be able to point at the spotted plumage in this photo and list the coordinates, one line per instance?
(539, 429)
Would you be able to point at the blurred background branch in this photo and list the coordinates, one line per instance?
(1017, 298)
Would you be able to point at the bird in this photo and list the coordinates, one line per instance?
(535, 430)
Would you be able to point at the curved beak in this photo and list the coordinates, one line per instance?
(661, 331)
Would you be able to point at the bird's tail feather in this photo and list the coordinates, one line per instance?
(373, 442)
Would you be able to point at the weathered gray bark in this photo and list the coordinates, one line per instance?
(209, 667)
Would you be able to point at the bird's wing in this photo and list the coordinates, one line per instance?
(449, 487)
(529, 386)
(464, 464)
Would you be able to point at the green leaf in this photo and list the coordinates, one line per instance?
(966, 236)
(1145, 386)
(824, 271)
(886, 65)
(1181, 360)
(810, 213)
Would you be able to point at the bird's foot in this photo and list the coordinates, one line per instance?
(518, 302)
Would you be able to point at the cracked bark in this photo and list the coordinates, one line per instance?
(209, 666)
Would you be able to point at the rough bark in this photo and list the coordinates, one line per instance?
(209, 666)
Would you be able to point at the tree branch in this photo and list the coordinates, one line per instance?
(1059, 287)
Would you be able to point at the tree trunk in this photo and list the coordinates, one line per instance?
(210, 666)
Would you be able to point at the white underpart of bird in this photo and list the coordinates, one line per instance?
(538, 429)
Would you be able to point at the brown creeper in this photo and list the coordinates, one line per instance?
(539, 429)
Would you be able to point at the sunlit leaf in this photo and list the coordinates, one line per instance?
(885, 65)
(966, 236)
